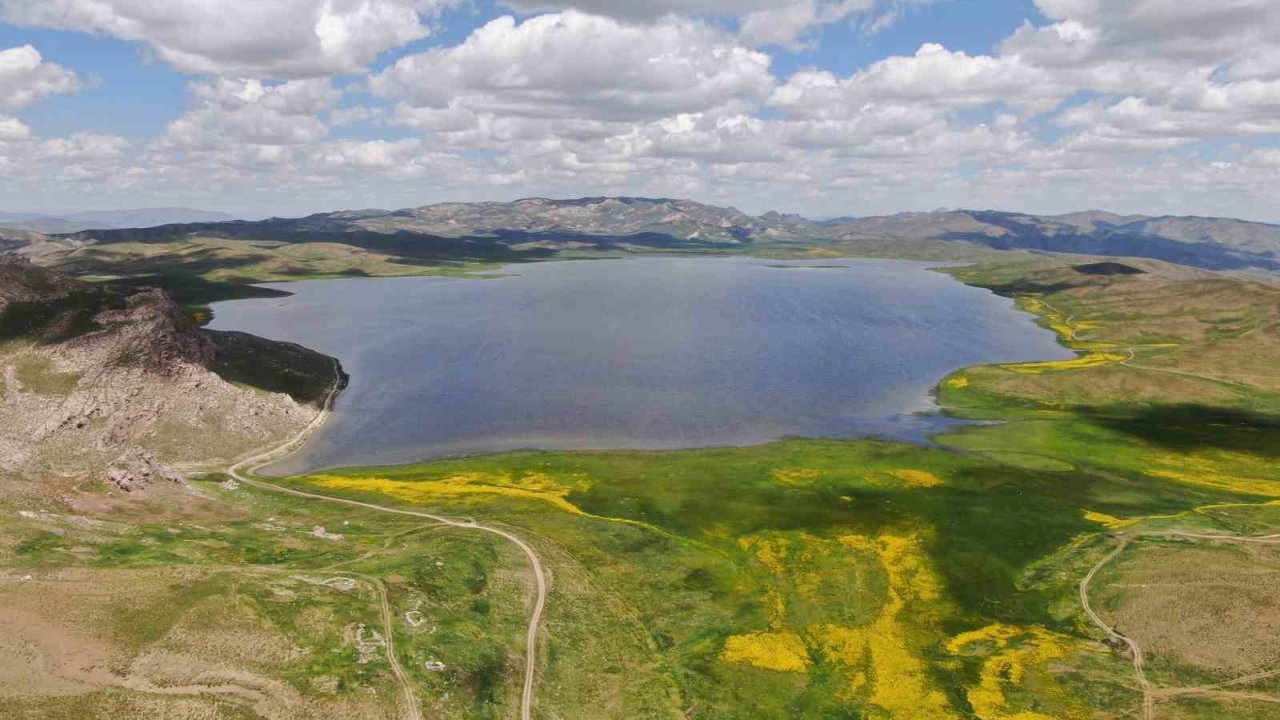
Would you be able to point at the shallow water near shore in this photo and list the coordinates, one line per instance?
(645, 353)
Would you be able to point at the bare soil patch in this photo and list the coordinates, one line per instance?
(1212, 607)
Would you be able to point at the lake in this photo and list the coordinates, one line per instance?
(656, 352)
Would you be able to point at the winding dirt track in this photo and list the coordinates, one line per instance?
(1151, 694)
(1139, 669)
(242, 471)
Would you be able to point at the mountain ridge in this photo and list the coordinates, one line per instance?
(108, 219)
(97, 371)
(539, 227)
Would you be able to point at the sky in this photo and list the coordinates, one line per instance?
(821, 107)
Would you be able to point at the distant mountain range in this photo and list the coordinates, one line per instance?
(524, 224)
(504, 230)
(1214, 243)
(94, 220)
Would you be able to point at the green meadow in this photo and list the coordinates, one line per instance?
(816, 578)
(800, 579)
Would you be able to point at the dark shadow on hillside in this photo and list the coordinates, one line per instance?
(1027, 287)
(1106, 268)
(46, 307)
(163, 265)
(57, 320)
(279, 367)
(1114, 243)
(192, 290)
(1195, 427)
(412, 247)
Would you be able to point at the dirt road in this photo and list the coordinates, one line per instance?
(243, 470)
(1148, 697)
(1151, 694)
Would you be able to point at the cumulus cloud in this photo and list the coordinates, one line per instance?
(280, 38)
(652, 10)
(1164, 71)
(25, 78)
(785, 23)
(1221, 32)
(56, 167)
(230, 114)
(1104, 103)
(934, 78)
(573, 65)
(12, 129)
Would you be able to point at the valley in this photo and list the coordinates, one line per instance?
(800, 578)
(609, 360)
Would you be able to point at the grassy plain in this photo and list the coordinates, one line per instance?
(800, 579)
(202, 270)
(221, 603)
(831, 579)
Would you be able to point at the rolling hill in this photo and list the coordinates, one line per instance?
(1213, 243)
(76, 222)
(539, 227)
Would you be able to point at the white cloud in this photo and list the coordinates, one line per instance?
(25, 78)
(1166, 72)
(572, 65)
(259, 38)
(232, 114)
(12, 129)
(1103, 105)
(37, 169)
(1222, 32)
(651, 10)
(785, 23)
(935, 78)
(342, 117)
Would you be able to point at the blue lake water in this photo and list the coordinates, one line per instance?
(656, 352)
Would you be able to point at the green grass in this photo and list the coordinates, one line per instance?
(673, 537)
(35, 373)
(871, 557)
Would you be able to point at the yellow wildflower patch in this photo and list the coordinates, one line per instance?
(1092, 345)
(1252, 486)
(899, 677)
(997, 635)
(770, 551)
(916, 478)
(1108, 521)
(776, 651)
(880, 663)
(859, 542)
(531, 486)
(1057, 322)
(1087, 360)
(1221, 470)
(776, 607)
(958, 382)
(1016, 651)
(1063, 329)
(796, 476)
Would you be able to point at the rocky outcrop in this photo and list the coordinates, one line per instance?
(136, 470)
(155, 334)
(119, 383)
